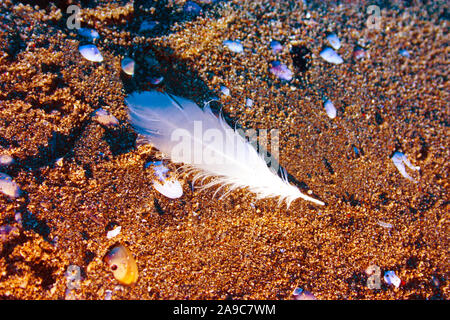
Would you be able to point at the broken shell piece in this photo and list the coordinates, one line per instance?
(104, 117)
(300, 294)
(329, 55)
(157, 80)
(334, 41)
(121, 262)
(234, 46)
(91, 34)
(330, 109)
(281, 71)
(128, 66)
(400, 160)
(166, 185)
(91, 53)
(8, 186)
(391, 278)
(6, 160)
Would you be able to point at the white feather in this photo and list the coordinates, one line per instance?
(231, 161)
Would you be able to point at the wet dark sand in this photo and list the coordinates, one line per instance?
(200, 247)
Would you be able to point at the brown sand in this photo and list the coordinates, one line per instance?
(199, 247)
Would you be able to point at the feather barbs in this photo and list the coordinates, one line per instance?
(207, 146)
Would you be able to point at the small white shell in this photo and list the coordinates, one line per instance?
(114, 232)
(169, 187)
(400, 160)
(248, 102)
(391, 278)
(91, 53)
(334, 41)
(234, 46)
(128, 66)
(6, 160)
(330, 109)
(8, 186)
(104, 117)
(329, 55)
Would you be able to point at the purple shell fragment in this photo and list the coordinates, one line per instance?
(281, 71)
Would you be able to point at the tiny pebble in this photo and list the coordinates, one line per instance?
(300, 294)
(104, 117)
(276, 46)
(114, 232)
(359, 53)
(334, 41)
(148, 25)
(391, 278)
(249, 102)
(281, 71)
(234, 46)
(18, 218)
(385, 224)
(330, 109)
(91, 53)
(108, 294)
(404, 53)
(8, 232)
(225, 90)
(8, 186)
(329, 55)
(400, 160)
(128, 66)
(157, 80)
(191, 8)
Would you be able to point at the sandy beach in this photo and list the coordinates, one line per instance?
(80, 179)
